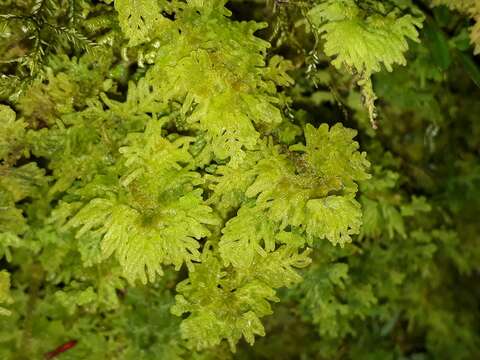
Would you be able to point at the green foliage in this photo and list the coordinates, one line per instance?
(177, 183)
(204, 296)
(363, 38)
(140, 20)
(5, 297)
(472, 8)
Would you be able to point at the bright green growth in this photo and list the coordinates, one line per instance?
(186, 171)
(178, 190)
(5, 297)
(365, 37)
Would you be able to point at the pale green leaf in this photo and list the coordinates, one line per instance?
(139, 19)
(364, 41)
(335, 218)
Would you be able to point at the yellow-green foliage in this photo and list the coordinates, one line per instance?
(172, 186)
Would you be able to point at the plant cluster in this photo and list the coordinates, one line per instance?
(205, 179)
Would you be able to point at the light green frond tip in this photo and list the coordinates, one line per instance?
(220, 307)
(245, 236)
(333, 153)
(144, 240)
(139, 19)
(335, 218)
(365, 39)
